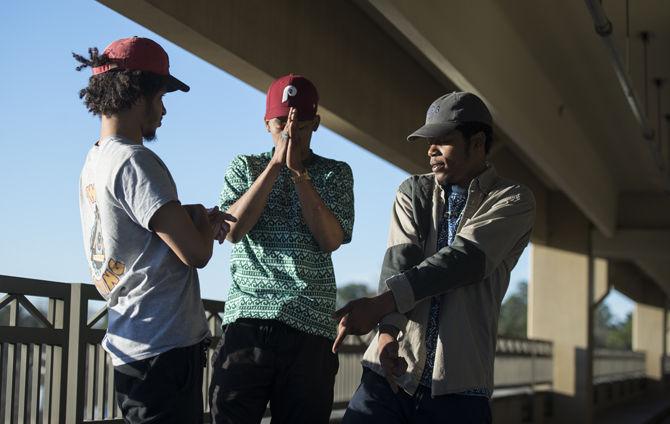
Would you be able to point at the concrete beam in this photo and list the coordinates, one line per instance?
(480, 51)
(633, 244)
(372, 91)
(648, 211)
(658, 269)
(630, 280)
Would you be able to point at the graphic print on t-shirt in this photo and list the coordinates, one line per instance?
(106, 274)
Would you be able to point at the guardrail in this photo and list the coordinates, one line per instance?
(523, 363)
(615, 365)
(53, 369)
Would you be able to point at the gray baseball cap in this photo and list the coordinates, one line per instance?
(450, 111)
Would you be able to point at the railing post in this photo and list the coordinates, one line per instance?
(10, 358)
(76, 357)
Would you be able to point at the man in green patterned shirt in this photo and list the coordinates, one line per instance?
(293, 208)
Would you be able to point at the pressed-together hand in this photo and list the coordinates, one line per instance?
(360, 316)
(294, 154)
(217, 220)
(281, 143)
(392, 364)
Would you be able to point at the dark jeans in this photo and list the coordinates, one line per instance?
(265, 360)
(163, 389)
(374, 402)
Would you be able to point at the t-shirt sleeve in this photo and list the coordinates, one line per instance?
(340, 198)
(235, 183)
(142, 185)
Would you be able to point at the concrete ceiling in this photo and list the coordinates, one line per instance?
(539, 65)
(553, 90)
(579, 67)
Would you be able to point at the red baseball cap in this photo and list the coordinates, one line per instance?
(142, 54)
(291, 91)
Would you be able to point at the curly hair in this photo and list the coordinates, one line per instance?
(469, 129)
(116, 90)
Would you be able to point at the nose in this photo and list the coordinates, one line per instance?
(432, 149)
(164, 111)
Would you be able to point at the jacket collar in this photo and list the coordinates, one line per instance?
(486, 180)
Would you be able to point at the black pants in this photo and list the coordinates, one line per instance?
(375, 403)
(263, 360)
(163, 389)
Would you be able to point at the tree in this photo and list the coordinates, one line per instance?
(513, 313)
(602, 323)
(609, 333)
(352, 291)
(621, 334)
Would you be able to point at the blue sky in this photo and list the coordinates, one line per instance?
(45, 133)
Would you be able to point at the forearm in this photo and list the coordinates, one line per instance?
(204, 228)
(248, 208)
(321, 222)
(456, 266)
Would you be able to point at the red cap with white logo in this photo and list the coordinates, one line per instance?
(142, 54)
(291, 91)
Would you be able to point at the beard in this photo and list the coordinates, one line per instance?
(149, 136)
(152, 119)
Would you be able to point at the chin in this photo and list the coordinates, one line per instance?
(442, 179)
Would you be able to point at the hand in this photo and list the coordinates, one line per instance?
(294, 153)
(281, 140)
(217, 219)
(360, 316)
(393, 365)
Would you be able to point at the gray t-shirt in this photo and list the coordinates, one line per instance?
(153, 299)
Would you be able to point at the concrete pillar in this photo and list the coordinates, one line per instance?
(560, 297)
(666, 343)
(648, 328)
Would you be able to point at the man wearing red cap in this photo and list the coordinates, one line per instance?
(142, 245)
(293, 208)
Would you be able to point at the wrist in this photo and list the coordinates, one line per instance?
(386, 303)
(297, 170)
(388, 331)
(300, 176)
(275, 165)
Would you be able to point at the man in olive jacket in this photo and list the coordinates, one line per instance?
(455, 235)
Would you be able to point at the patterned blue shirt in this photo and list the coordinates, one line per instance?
(456, 199)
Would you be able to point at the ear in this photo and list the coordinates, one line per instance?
(478, 142)
(317, 121)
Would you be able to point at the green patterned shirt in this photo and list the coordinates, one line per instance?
(278, 270)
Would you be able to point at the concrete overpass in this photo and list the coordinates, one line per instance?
(564, 127)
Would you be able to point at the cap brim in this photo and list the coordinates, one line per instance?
(173, 84)
(433, 130)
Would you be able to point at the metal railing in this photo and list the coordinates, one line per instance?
(54, 370)
(523, 363)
